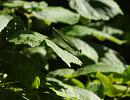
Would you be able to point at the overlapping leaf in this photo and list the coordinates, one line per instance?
(80, 31)
(32, 39)
(72, 93)
(96, 9)
(57, 14)
(67, 57)
(109, 62)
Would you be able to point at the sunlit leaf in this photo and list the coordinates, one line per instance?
(105, 68)
(107, 82)
(72, 93)
(96, 87)
(26, 5)
(80, 31)
(4, 19)
(32, 39)
(36, 82)
(96, 9)
(65, 72)
(57, 14)
(67, 57)
(85, 49)
(12, 27)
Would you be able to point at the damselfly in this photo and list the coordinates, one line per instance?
(66, 40)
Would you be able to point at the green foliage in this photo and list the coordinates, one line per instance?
(96, 10)
(83, 31)
(34, 63)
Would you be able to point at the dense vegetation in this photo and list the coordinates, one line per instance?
(62, 49)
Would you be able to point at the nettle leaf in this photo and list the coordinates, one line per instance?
(107, 82)
(64, 55)
(80, 31)
(30, 38)
(57, 14)
(4, 19)
(70, 92)
(96, 9)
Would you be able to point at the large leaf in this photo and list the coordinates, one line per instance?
(111, 57)
(80, 31)
(105, 68)
(84, 48)
(96, 9)
(32, 39)
(57, 14)
(109, 62)
(4, 19)
(71, 93)
(64, 55)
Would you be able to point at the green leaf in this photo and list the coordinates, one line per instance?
(57, 14)
(81, 47)
(64, 55)
(111, 30)
(65, 72)
(23, 70)
(36, 82)
(96, 9)
(107, 82)
(26, 5)
(77, 82)
(105, 68)
(14, 4)
(80, 31)
(32, 39)
(96, 87)
(85, 49)
(4, 19)
(109, 62)
(111, 57)
(12, 27)
(126, 75)
(66, 40)
(121, 89)
(72, 93)
(35, 50)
